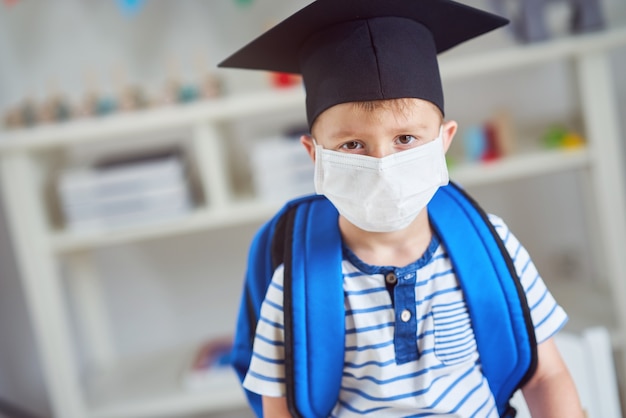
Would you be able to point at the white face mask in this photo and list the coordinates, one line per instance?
(381, 194)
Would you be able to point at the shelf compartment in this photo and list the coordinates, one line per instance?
(152, 387)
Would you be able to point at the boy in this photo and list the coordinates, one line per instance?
(378, 140)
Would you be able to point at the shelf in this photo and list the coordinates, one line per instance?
(151, 120)
(520, 166)
(237, 214)
(252, 210)
(151, 387)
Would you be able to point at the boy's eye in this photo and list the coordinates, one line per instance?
(351, 145)
(406, 139)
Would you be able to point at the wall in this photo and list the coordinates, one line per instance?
(178, 290)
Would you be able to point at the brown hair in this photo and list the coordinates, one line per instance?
(400, 105)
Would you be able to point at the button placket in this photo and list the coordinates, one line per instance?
(405, 333)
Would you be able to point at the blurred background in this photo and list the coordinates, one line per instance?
(134, 174)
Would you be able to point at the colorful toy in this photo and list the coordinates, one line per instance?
(175, 91)
(282, 80)
(474, 143)
(105, 106)
(54, 109)
(210, 87)
(125, 96)
(491, 140)
(558, 136)
(131, 98)
(130, 7)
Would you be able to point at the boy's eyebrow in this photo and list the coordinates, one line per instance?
(342, 133)
(404, 129)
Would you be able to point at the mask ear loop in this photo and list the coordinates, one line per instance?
(318, 170)
(318, 149)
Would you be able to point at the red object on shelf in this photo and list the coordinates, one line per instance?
(492, 151)
(282, 80)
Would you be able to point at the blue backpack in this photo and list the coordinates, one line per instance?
(304, 236)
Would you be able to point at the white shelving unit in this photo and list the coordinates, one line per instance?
(124, 388)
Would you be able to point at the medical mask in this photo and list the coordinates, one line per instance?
(381, 194)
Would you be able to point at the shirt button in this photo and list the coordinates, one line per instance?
(391, 278)
(405, 316)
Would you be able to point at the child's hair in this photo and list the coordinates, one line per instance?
(401, 105)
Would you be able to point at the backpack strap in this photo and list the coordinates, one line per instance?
(313, 309)
(496, 299)
(266, 252)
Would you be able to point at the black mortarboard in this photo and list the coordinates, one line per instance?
(362, 50)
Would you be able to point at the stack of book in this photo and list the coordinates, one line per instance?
(281, 169)
(125, 192)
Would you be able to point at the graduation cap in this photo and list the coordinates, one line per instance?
(363, 50)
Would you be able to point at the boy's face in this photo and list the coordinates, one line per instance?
(378, 129)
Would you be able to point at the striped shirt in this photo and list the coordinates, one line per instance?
(435, 372)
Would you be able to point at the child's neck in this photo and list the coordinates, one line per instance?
(398, 248)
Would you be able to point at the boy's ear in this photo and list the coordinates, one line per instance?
(449, 130)
(309, 145)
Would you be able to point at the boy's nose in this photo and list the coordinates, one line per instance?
(379, 151)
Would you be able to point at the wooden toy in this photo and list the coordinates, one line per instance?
(12, 118)
(28, 111)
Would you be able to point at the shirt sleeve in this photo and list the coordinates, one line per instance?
(547, 315)
(266, 374)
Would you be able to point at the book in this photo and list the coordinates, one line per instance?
(129, 191)
(281, 169)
